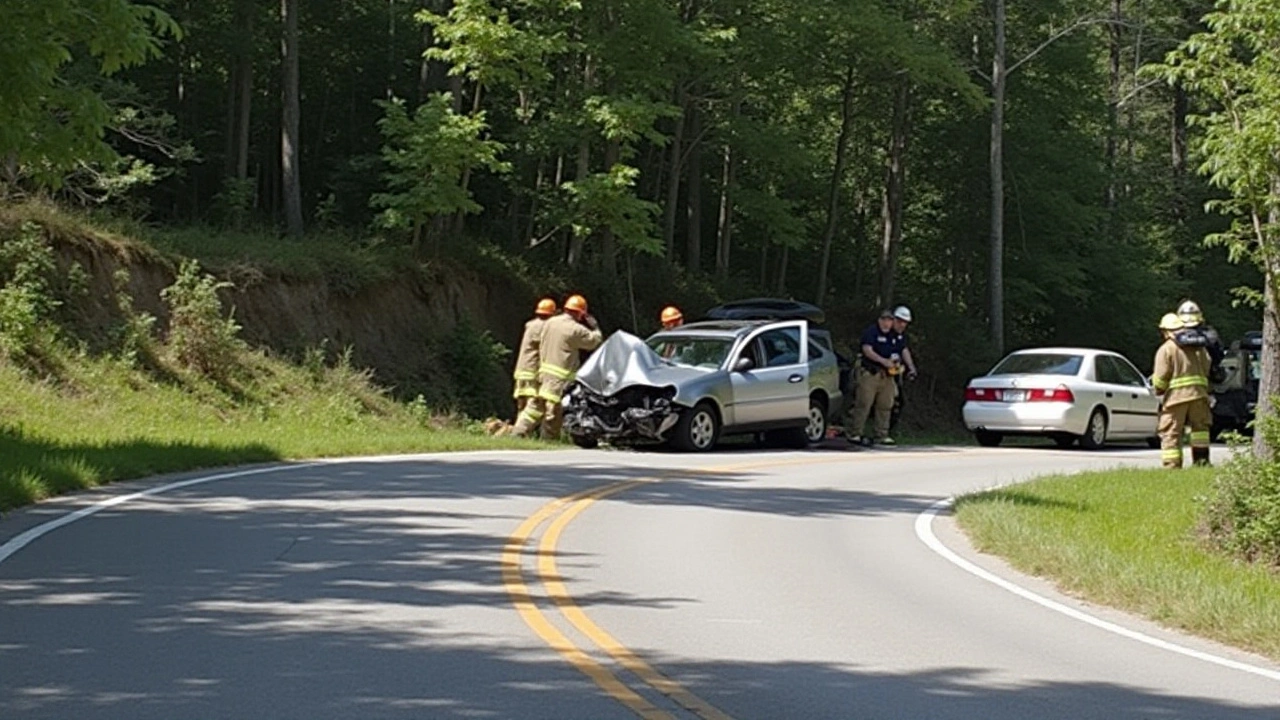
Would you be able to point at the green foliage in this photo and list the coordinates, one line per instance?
(49, 121)
(1241, 514)
(428, 154)
(27, 301)
(135, 340)
(200, 337)
(607, 201)
(474, 363)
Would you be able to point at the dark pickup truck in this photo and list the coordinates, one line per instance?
(1235, 398)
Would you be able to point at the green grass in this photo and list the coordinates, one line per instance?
(99, 420)
(1128, 539)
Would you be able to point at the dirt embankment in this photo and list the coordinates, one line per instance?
(391, 327)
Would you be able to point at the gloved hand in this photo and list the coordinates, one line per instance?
(591, 322)
(912, 374)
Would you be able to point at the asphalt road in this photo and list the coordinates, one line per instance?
(576, 585)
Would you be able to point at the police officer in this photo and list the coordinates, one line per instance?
(1181, 378)
(880, 363)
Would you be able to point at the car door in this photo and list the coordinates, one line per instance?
(1115, 395)
(776, 387)
(1144, 406)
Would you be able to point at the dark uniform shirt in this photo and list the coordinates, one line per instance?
(884, 344)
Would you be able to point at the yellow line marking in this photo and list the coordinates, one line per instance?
(560, 595)
(513, 579)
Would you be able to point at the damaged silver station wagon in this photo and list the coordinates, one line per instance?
(690, 385)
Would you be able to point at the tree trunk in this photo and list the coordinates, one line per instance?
(673, 183)
(995, 277)
(781, 289)
(608, 241)
(837, 179)
(693, 200)
(576, 242)
(289, 147)
(1113, 112)
(894, 192)
(1269, 383)
(246, 94)
(724, 222)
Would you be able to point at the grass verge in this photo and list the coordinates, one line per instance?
(101, 420)
(1128, 539)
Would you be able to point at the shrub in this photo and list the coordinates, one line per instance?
(199, 335)
(134, 340)
(27, 302)
(1241, 514)
(475, 364)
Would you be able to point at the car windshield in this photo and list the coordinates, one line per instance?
(1039, 364)
(703, 352)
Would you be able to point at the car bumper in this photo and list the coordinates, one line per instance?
(1024, 418)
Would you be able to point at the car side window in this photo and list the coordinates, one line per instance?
(781, 348)
(1105, 370)
(1129, 375)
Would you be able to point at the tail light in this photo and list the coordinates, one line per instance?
(1062, 393)
(977, 394)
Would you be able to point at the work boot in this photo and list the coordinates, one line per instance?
(1200, 457)
(887, 441)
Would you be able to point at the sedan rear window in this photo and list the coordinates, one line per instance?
(1039, 364)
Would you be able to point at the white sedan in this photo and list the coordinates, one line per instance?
(1067, 394)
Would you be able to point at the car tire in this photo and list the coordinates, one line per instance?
(1064, 440)
(1095, 431)
(698, 429)
(988, 439)
(584, 442)
(816, 431)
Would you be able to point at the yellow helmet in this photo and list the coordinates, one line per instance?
(576, 304)
(671, 314)
(546, 306)
(1171, 321)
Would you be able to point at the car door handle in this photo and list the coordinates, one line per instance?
(1110, 395)
(795, 378)
(1133, 395)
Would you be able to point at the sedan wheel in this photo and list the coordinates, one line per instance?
(1095, 434)
(816, 430)
(698, 429)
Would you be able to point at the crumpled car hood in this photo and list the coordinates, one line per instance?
(625, 360)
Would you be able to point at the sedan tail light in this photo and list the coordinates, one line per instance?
(977, 394)
(1062, 393)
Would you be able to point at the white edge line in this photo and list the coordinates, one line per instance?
(924, 531)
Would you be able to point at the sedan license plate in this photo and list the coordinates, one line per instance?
(1015, 396)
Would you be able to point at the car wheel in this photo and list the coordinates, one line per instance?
(1064, 441)
(698, 429)
(988, 439)
(816, 430)
(584, 442)
(1095, 432)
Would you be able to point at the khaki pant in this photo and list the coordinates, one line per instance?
(525, 391)
(876, 390)
(544, 409)
(1173, 420)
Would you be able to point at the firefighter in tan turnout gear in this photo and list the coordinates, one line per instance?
(563, 338)
(1181, 378)
(528, 359)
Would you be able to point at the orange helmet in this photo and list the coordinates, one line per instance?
(546, 306)
(576, 304)
(671, 314)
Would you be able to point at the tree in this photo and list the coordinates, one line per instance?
(1234, 70)
(50, 122)
(289, 126)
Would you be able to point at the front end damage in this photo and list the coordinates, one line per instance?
(623, 394)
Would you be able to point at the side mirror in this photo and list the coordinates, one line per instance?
(743, 364)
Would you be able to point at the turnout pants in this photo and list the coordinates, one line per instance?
(526, 389)
(1174, 419)
(543, 409)
(876, 390)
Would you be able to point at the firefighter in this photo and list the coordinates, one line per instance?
(527, 360)
(563, 337)
(671, 317)
(1181, 379)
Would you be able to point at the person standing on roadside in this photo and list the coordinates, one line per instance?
(901, 319)
(880, 362)
(1181, 379)
(528, 358)
(563, 338)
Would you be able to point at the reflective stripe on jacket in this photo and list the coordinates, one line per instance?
(1181, 373)
(527, 358)
(562, 339)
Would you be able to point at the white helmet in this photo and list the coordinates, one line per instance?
(1190, 314)
(903, 313)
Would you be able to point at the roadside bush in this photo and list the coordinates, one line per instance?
(134, 340)
(1241, 514)
(27, 301)
(475, 364)
(200, 337)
